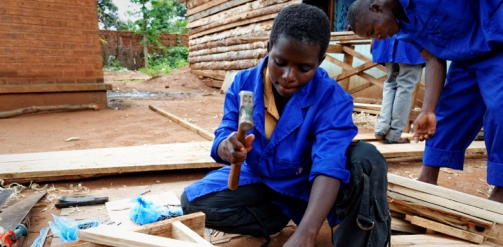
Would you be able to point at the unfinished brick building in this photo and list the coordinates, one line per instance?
(50, 54)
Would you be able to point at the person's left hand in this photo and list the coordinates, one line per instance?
(300, 239)
(424, 126)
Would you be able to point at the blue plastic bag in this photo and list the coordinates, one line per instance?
(67, 229)
(146, 212)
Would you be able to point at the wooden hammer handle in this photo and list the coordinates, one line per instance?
(236, 168)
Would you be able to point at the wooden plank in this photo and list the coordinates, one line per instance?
(348, 59)
(423, 240)
(448, 230)
(402, 225)
(363, 75)
(442, 192)
(58, 165)
(51, 166)
(334, 48)
(114, 236)
(182, 232)
(412, 149)
(58, 87)
(355, 70)
(192, 127)
(345, 36)
(371, 137)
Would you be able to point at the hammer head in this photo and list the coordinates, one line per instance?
(245, 110)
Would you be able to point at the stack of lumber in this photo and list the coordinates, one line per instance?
(227, 35)
(417, 206)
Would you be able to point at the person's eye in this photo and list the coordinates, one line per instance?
(279, 63)
(305, 69)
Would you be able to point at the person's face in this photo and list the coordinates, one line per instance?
(292, 64)
(378, 24)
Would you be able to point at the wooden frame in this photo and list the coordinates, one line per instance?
(183, 231)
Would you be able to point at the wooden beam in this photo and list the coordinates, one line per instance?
(51, 88)
(447, 230)
(192, 127)
(348, 59)
(402, 225)
(182, 232)
(347, 67)
(115, 236)
(355, 71)
(411, 149)
(334, 49)
(433, 240)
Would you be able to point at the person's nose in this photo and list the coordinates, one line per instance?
(289, 75)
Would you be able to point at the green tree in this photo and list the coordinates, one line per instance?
(161, 16)
(108, 16)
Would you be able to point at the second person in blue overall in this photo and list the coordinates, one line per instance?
(404, 67)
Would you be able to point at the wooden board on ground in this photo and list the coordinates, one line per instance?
(430, 240)
(118, 211)
(447, 230)
(51, 166)
(371, 136)
(75, 164)
(417, 149)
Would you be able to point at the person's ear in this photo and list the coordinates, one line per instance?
(268, 46)
(375, 7)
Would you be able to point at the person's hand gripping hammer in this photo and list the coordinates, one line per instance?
(237, 145)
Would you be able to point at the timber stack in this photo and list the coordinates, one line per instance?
(460, 218)
(229, 35)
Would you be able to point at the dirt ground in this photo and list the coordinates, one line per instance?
(129, 122)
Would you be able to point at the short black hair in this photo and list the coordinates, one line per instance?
(356, 10)
(302, 22)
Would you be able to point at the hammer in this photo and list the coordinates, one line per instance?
(245, 124)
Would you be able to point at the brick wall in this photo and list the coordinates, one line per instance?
(47, 45)
(126, 46)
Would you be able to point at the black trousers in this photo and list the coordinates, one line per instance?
(361, 207)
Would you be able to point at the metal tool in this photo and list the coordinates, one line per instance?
(13, 216)
(245, 124)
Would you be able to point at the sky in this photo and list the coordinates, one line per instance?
(123, 6)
